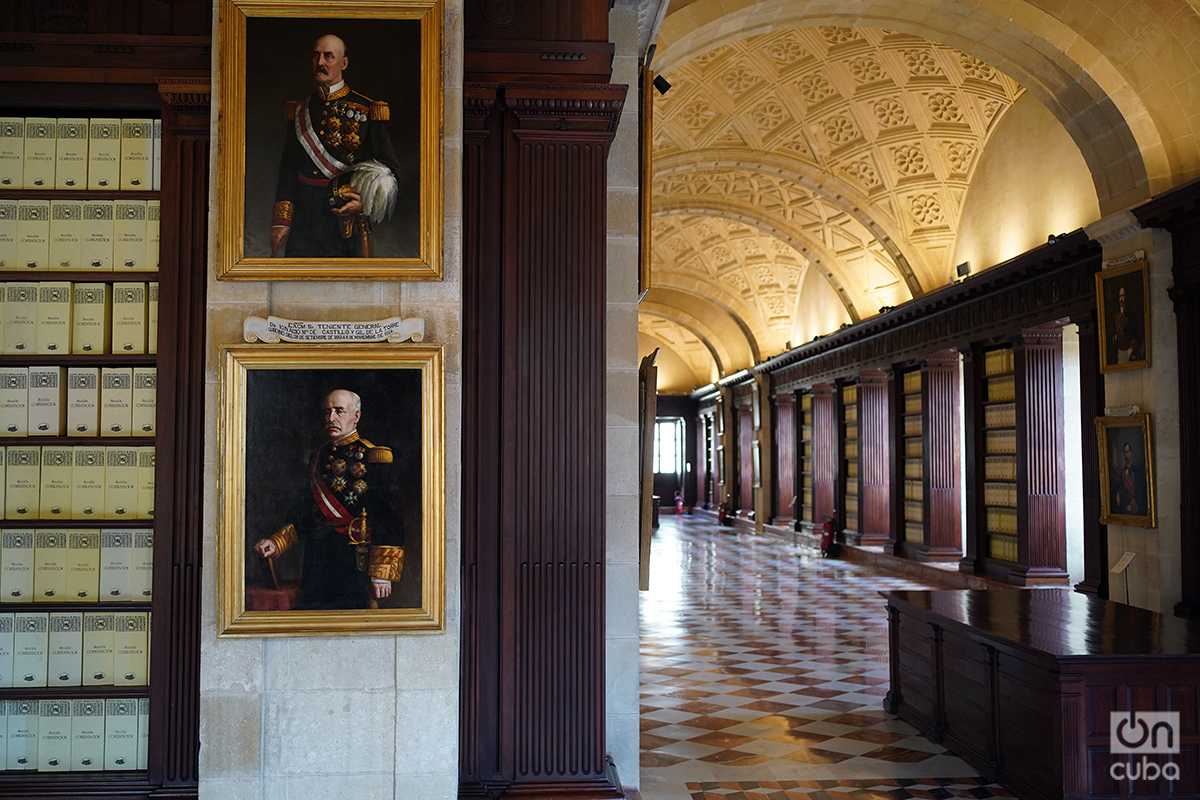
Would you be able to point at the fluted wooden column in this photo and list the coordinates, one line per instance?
(975, 542)
(745, 456)
(1041, 515)
(783, 448)
(895, 404)
(1091, 405)
(874, 453)
(535, 189)
(943, 491)
(825, 452)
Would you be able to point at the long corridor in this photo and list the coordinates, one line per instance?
(763, 671)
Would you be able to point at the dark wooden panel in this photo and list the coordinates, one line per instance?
(1091, 405)
(939, 419)
(825, 452)
(874, 467)
(745, 455)
(783, 451)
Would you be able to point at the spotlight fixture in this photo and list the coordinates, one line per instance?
(964, 269)
(885, 309)
(1053, 239)
(661, 84)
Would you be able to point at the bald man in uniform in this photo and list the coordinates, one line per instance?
(338, 172)
(348, 517)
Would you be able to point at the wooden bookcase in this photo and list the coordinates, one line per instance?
(139, 76)
(849, 510)
(912, 453)
(805, 453)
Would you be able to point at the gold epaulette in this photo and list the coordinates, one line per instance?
(290, 108)
(379, 111)
(379, 455)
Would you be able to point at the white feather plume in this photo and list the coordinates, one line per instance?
(378, 188)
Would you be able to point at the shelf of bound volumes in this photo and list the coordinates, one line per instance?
(63, 734)
(1000, 454)
(77, 153)
(806, 457)
(913, 455)
(850, 456)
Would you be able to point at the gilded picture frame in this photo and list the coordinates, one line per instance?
(1123, 311)
(273, 123)
(1126, 471)
(281, 459)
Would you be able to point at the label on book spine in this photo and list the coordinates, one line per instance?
(31, 641)
(66, 648)
(146, 483)
(96, 236)
(152, 318)
(12, 152)
(83, 565)
(104, 154)
(47, 401)
(54, 317)
(50, 566)
(156, 181)
(137, 154)
(120, 483)
(121, 733)
(141, 578)
(14, 401)
(71, 161)
(8, 234)
(20, 317)
(129, 318)
(58, 482)
(16, 566)
(87, 501)
(91, 328)
(153, 232)
(116, 564)
(83, 401)
(33, 235)
(24, 475)
(40, 152)
(97, 648)
(22, 734)
(116, 401)
(130, 641)
(129, 235)
(6, 654)
(145, 400)
(87, 735)
(54, 735)
(66, 234)
(143, 753)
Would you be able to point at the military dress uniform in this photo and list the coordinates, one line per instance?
(327, 135)
(351, 523)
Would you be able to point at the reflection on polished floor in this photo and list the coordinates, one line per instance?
(763, 671)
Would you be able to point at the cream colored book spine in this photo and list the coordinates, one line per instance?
(16, 566)
(129, 318)
(153, 233)
(96, 236)
(22, 734)
(3, 733)
(121, 733)
(83, 565)
(130, 648)
(12, 153)
(66, 649)
(6, 653)
(54, 735)
(31, 640)
(20, 317)
(145, 483)
(91, 329)
(14, 401)
(116, 401)
(50, 566)
(33, 235)
(54, 317)
(141, 577)
(120, 482)
(129, 235)
(3, 475)
(66, 234)
(152, 318)
(71, 159)
(143, 747)
(137, 154)
(40, 152)
(97, 648)
(145, 400)
(47, 401)
(83, 401)
(87, 500)
(58, 482)
(156, 179)
(8, 235)
(116, 564)
(104, 154)
(87, 735)
(24, 478)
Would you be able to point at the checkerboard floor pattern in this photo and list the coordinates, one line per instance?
(763, 671)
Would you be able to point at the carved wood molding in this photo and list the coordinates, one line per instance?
(186, 95)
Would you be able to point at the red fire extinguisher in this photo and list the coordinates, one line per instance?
(678, 504)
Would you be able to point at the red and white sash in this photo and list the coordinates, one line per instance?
(311, 143)
(327, 503)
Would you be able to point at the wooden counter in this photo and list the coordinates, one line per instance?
(1020, 683)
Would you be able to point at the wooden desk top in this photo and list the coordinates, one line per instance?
(1059, 622)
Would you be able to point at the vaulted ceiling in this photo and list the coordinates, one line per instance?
(804, 179)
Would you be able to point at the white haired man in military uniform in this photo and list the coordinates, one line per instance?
(338, 172)
(348, 517)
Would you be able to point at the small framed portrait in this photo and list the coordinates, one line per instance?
(332, 490)
(330, 157)
(1123, 298)
(1126, 471)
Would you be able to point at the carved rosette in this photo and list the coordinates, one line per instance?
(186, 95)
